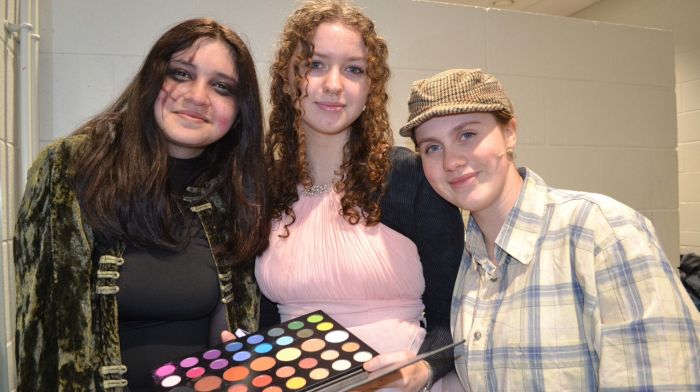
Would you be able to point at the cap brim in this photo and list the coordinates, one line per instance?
(447, 110)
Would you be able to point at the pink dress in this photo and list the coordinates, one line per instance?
(367, 278)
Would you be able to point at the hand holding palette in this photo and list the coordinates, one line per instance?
(303, 354)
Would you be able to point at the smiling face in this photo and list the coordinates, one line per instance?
(336, 80)
(197, 103)
(465, 160)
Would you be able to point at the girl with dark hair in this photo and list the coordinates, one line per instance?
(357, 231)
(136, 234)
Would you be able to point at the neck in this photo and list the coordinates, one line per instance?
(325, 155)
(492, 218)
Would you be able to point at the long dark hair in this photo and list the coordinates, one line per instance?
(366, 154)
(121, 174)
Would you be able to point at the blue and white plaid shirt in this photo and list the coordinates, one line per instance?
(581, 297)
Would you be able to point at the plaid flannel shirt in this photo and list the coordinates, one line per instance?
(581, 297)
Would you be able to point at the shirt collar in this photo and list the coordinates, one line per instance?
(522, 227)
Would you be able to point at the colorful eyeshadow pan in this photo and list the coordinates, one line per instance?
(308, 363)
(314, 318)
(301, 354)
(189, 362)
(208, 384)
(233, 347)
(171, 381)
(263, 348)
(165, 370)
(285, 371)
(294, 325)
(305, 333)
(195, 372)
(319, 373)
(236, 373)
(313, 345)
(330, 355)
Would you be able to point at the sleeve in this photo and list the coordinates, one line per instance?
(269, 315)
(411, 207)
(644, 327)
(440, 239)
(53, 296)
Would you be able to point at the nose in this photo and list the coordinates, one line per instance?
(453, 159)
(197, 93)
(332, 83)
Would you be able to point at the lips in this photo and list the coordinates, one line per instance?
(330, 106)
(462, 180)
(191, 115)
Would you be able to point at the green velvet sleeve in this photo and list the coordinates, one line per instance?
(52, 255)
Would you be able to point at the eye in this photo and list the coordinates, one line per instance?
(179, 74)
(428, 149)
(466, 135)
(315, 64)
(355, 69)
(224, 89)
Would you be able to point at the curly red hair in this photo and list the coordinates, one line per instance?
(366, 154)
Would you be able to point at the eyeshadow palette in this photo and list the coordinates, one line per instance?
(302, 354)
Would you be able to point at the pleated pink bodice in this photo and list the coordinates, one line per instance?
(367, 278)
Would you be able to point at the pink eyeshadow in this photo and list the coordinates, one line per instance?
(195, 372)
(165, 370)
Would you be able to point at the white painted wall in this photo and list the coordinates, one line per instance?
(596, 102)
(9, 10)
(681, 17)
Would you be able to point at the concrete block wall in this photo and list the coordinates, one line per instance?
(595, 101)
(8, 192)
(688, 92)
(680, 17)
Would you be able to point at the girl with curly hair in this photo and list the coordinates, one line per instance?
(357, 231)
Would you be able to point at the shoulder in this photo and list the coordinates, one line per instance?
(406, 173)
(403, 157)
(55, 158)
(607, 219)
(61, 150)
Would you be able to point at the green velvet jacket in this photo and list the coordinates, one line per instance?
(66, 336)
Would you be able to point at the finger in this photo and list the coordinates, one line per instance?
(227, 336)
(384, 360)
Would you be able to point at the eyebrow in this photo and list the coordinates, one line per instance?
(220, 75)
(457, 127)
(326, 56)
(464, 124)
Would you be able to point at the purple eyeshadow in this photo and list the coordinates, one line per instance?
(219, 364)
(211, 354)
(189, 362)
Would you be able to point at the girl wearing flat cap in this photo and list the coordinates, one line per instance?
(558, 289)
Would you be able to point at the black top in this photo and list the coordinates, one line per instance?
(167, 297)
(411, 207)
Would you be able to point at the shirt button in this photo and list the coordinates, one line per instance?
(477, 335)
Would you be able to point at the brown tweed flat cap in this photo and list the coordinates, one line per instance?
(454, 91)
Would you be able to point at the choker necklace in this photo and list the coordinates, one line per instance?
(316, 190)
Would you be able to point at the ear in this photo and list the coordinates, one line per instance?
(510, 133)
